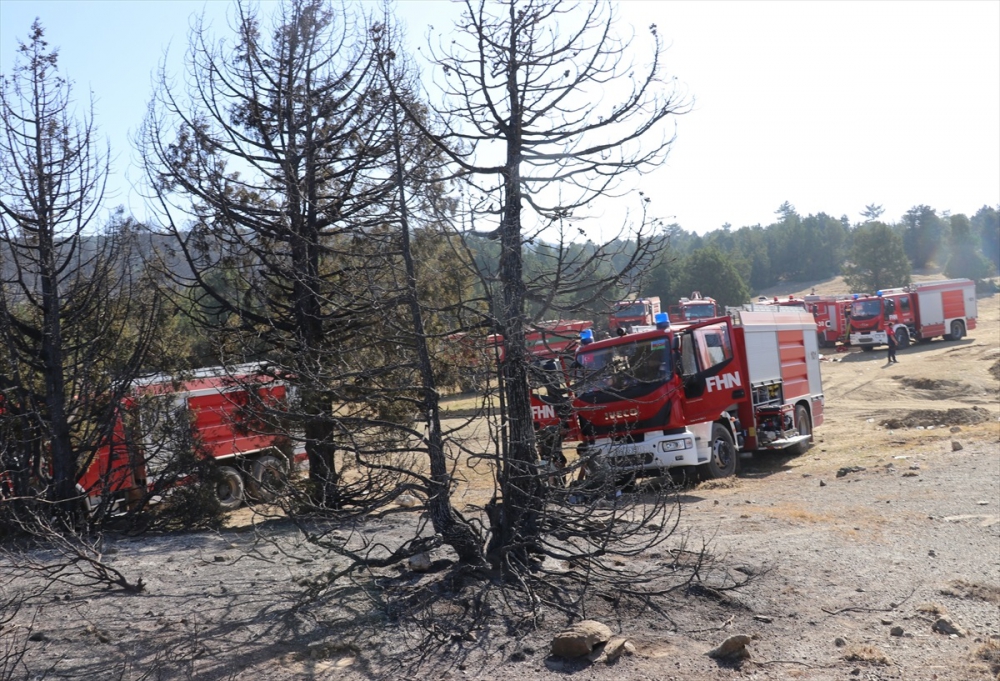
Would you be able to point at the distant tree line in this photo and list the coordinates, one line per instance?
(732, 264)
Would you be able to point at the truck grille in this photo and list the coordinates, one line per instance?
(630, 460)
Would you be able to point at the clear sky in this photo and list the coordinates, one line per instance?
(830, 106)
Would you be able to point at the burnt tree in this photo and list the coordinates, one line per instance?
(545, 114)
(75, 329)
(267, 169)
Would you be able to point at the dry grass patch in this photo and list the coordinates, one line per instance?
(988, 656)
(856, 523)
(867, 653)
(963, 589)
(731, 482)
(933, 609)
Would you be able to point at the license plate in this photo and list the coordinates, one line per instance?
(631, 460)
(618, 451)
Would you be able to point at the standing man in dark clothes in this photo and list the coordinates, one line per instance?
(891, 342)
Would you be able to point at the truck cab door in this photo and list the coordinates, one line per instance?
(710, 369)
(888, 310)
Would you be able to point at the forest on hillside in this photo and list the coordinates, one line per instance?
(733, 264)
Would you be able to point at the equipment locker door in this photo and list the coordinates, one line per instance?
(710, 369)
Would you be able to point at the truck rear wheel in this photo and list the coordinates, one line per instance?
(268, 477)
(957, 331)
(722, 462)
(229, 488)
(803, 423)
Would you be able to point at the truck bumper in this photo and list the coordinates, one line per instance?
(875, 338)
(655, 452)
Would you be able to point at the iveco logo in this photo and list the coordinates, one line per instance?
(622, 414)
(724, 382)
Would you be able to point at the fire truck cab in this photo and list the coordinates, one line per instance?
(694, 308)
(627, 314)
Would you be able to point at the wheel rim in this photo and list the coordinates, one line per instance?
(804, 428)
(225, 492)
(956, 330)
(722, 453)
(270, 476)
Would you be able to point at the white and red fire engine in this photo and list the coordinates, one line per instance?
(917, 312)
(696, 394)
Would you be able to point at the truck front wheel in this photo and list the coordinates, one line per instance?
(722, 463)
(902, 338)
(229, 488)
(268, 477)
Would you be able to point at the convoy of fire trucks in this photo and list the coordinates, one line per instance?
(696, 393)
(691, 391)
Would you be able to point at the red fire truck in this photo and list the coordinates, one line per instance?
(832, 317)
(626, 314)
(693, 308)
(917, 312)
(551, 345)
(547, 339)
(250, 460)
(696, 394)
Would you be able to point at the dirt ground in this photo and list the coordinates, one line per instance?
(857, 548)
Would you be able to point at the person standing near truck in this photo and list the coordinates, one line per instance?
(891, 342)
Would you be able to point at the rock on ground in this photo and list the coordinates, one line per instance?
(580, 638)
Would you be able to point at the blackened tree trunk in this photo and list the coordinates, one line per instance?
(530, 78)
(267, 172)
(74, 333)
(516, 517)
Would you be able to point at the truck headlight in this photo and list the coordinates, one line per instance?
(675, 445)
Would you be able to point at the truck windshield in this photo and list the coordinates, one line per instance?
(633, 310)
(702, 311)
(866, 309)
(645, 362)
